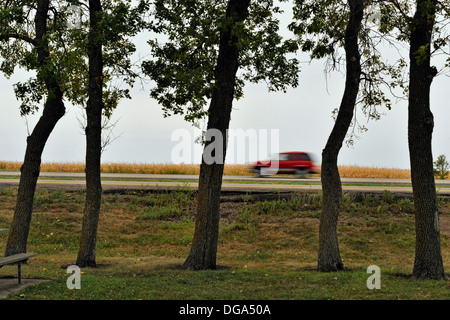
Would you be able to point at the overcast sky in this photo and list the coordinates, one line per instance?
(302, 116)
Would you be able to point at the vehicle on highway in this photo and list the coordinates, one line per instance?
(300, 164)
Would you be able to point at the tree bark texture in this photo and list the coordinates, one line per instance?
(428, 259)
(204, 245)
(328, 255)
(94, 109)
(53, 111)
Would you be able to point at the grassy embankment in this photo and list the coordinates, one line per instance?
(267, 248)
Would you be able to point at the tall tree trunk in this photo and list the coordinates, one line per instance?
(53, 111)
(329, 258)
(94, 109)
(428, 260)
(204, 245)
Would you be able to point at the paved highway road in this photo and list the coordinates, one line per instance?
(74, 181)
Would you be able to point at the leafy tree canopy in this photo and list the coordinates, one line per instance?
(67, 46)
(320, 28)
(185, 51)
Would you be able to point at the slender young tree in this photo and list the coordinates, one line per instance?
(111, 24)
(328, 257)
(20, 48)
(323, 27)
(213, 47)
(428, 262)
(94, 111)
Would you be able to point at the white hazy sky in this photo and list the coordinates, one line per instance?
(302, 115)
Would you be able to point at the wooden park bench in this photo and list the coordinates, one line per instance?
(16, 258)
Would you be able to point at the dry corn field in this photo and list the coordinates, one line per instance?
(192, 169)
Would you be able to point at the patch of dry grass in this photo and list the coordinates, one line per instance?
(373, 172)
(194, 169)
(141, 168)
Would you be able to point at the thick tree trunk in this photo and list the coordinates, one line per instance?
(53, 111)
(94, 109)
(204, 245)
(428, 260)
(328, 256)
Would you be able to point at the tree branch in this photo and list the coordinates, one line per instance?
(7, 36)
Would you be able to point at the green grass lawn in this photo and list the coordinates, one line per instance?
(267, 248)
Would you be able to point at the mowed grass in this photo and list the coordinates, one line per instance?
(267, 248)
(193, 169)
